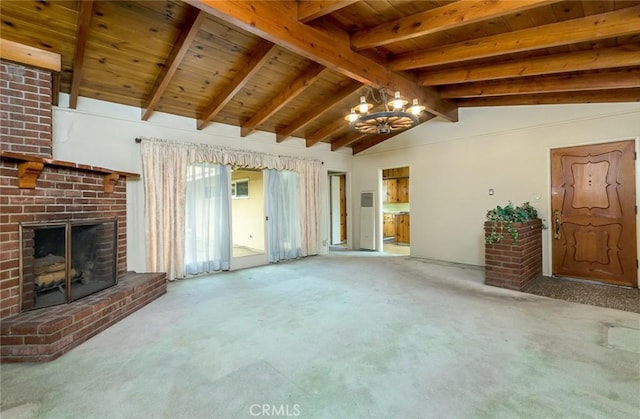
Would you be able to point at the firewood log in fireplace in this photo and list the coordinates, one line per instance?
(50, 259)
(54, 267)
(50, 270)
(53, 277)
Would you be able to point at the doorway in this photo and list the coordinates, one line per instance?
(338, 238)
(247, 218)
(593, 213)
(396, 213)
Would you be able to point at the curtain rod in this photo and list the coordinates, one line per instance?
(139, 140)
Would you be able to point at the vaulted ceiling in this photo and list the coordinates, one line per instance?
(295, 68)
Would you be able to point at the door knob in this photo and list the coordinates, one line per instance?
(556, 224)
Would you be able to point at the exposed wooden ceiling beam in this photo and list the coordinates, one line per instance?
(594, 96)
(277, 22)
(310, 10)
(302, 82)
(347, 139)
(23, 54)
(326, 131)
(606, 25)
(258, 57)
(439, 19)
(318, 110)
(621, 56)
(620, 79)
(82, 34)
(179, 50)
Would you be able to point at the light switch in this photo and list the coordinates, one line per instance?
(491, 191)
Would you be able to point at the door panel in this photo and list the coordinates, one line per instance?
(593, 212)
(343, 208)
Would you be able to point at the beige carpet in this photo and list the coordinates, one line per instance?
(349, 335)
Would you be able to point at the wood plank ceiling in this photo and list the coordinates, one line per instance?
(296, 68)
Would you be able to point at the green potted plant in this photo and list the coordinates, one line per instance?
(503, 218)
(513, 246)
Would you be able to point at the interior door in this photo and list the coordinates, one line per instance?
(343, 208)
(334, 196)
(593, 218)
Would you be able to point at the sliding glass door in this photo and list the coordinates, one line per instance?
(247, 218)
(240, 218)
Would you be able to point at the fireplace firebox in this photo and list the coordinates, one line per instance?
(64, 261)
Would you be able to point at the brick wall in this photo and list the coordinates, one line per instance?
(25, 110)
(513, 266)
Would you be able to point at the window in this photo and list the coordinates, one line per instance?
(240, 188)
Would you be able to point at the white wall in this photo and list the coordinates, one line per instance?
(102, 134)
(506, 148)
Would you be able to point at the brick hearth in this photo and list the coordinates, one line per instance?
(44, 335)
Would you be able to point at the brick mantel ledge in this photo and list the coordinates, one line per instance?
(31, 166)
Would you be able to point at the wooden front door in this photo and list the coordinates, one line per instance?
(593, 212)
(343, 208)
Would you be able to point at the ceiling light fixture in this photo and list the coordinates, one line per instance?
(395, 116)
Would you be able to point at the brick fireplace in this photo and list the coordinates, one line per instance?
(36, 190)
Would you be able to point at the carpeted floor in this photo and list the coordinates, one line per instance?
(586, 292)
(347, 335)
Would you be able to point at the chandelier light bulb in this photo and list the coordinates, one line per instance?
(352, 117)
(415, 108)
(397, 103)
(364, 106)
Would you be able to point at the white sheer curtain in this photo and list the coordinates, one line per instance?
(207, 241)
(164, 169)
(283, 210)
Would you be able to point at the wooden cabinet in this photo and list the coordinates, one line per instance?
(397, 190)
(402, 229)
(391, 186)
(389, 225)
(395, 173)
(402, 190)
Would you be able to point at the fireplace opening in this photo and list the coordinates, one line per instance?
(64, 261)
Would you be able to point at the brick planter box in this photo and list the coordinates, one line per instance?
(514, 266)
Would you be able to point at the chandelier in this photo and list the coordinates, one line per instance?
(394, 117)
